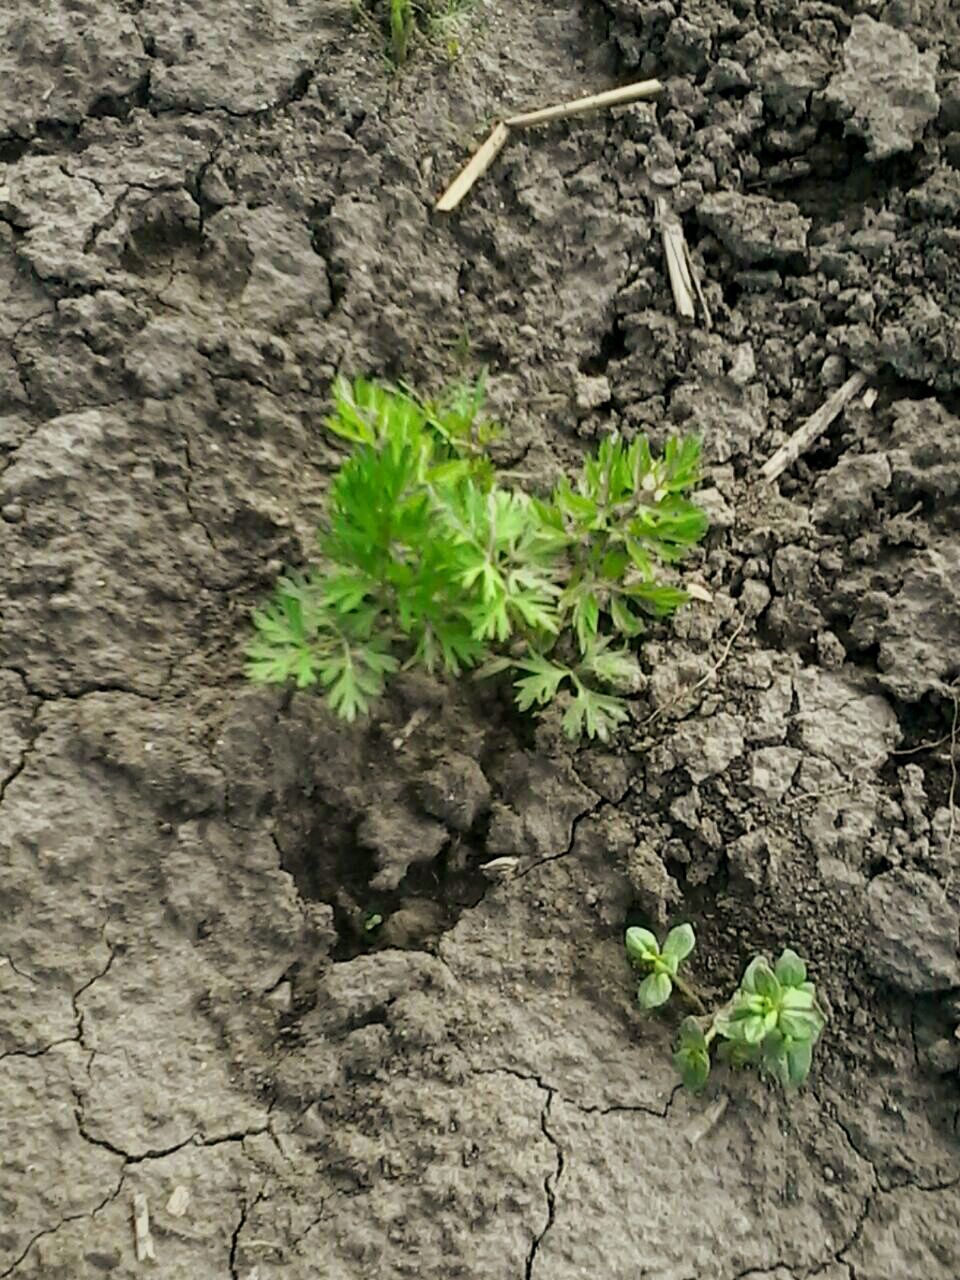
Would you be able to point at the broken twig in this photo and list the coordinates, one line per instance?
(141, 1229)
(813, 428)
(695, 277)
(684, 278)
(952, 796)
(482, 159)
(592, 102)
(474, 169)
(674, 250)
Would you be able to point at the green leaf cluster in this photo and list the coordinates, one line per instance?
(426, 559)
(662, 965)
(772, 1021)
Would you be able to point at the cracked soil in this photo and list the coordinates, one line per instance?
(206, 211)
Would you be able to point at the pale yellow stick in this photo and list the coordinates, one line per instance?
(815, 426)
(141, 1229)
(610, 98)
(479, 163)
(671, 233)
(695, 277)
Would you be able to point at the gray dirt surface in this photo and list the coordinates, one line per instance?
(343, 1001)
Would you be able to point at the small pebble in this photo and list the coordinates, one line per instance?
(833, 371)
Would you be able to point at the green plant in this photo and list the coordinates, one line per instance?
(402, 25)
(403, 21)
(773, 1020)
(428, 561)
(444, 22)
(662, 965)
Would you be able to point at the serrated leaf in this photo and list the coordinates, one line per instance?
(586, 618)
(625, 621)
(353, 677)
(578, 505)
(541, 685)
(616, 667)
(654, 991)
(656, 598)
(493, 667)
(595, 714)
(536, 615)
(347, 591)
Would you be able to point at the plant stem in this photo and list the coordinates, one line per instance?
(686, 990)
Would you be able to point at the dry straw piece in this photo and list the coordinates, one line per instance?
(141, 1229)
(813, 428)
(484, 157)
(478, 165)
(684, 279)
(592, 102)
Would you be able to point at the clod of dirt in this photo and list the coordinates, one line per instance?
(924, 344)
(917, 627)
(913, 942)
(772, 771)
(886, 92)
(755, 228)
(656, 890)
(788, 79)
(543, 800)
(399, 838)
(852, 729)
(455, 791)
(930, 1221)
(60, 62)
(706, 747)
(845, 496)
(925, 459)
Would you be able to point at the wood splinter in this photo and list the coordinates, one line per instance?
(484, 157)
(592, 102)
(684, 278)
(479, 163)
(141, 1229)
(813, 428)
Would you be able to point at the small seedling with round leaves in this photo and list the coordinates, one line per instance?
(660, 965)
(772, 1021)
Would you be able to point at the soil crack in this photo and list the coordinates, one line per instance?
(245, 1211)
(550, 1184)
(18, 768)
(68, 1218)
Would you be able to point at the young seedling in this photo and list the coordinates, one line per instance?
(772, 1021)
(403, 22)
(428, 560)
(661, 966)
(402, 25)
